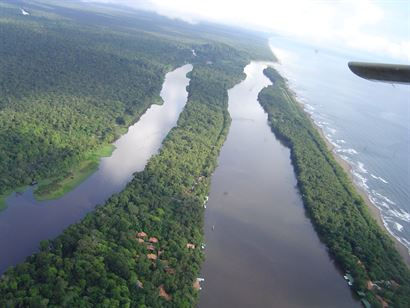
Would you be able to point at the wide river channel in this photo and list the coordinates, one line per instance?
(261, 249)
(25, 221)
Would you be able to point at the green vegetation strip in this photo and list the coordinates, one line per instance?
(102, 261)
(338, 213)
(74, 77)
(57, 187)
(80, 89)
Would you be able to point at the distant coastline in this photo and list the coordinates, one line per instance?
(374, 211)
(340, 213)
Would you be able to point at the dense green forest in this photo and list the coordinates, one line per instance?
(67, 91)
(100, 261)
(131, 251)
(71, 81)
(338, 213)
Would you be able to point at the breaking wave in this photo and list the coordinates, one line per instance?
(393, 217)
(379, 178)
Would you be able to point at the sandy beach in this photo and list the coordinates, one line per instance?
(374, 211)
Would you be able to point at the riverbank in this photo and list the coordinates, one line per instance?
(51, 189)
(164, 203)
(54, 188)
(4, 196)
(340, 215)
(27, 221)
(373, 210)
(256, 229)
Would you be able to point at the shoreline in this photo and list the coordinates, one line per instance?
(55, 187)
(85, 168)
(373, 210)
(52, 189)
(344, 223)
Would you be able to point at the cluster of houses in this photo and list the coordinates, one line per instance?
(350, 282)
(153, 253)
(198, 180)
(370, 286)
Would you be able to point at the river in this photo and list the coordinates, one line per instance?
(261, 249)
(25, 221)
(367, 122)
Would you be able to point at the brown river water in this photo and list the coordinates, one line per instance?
(261, 249)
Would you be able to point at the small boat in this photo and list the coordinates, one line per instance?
(213, 227)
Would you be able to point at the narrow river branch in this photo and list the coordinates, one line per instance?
(25, 222)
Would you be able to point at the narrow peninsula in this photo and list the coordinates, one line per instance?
(340, 216)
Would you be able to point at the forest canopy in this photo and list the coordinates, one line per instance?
(73, 80)
(338, 213)
(71, 87)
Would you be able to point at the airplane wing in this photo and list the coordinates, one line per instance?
(391, 73)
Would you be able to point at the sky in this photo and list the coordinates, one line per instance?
(377, 27)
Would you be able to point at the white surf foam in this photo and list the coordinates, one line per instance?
(309, 107)
(344, 157)
(360, 180)
(403, 215)
(348, 151)
(402, 240)
(361, 167)
(383, 197)
(358, 171)
(335, 145)
(331, 130)
(398, 226)
(378, 203)
(378, 178)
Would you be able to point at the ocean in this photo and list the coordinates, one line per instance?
(367, 122)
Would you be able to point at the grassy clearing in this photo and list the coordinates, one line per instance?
(55, 188)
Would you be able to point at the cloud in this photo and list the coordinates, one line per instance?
(353, 24)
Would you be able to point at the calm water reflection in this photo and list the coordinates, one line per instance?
(263, 251)
(26, 222)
